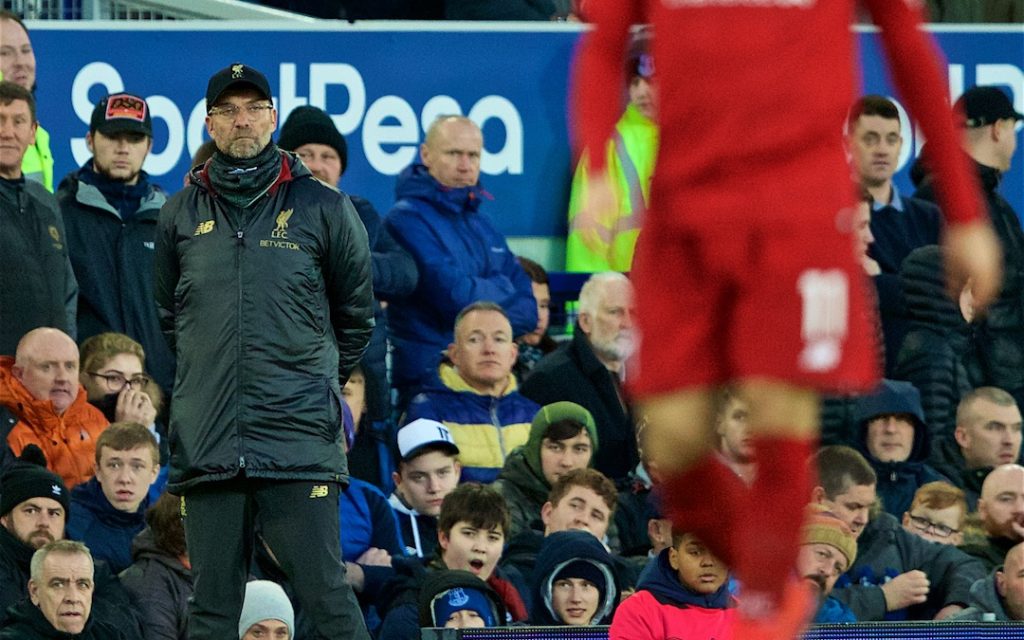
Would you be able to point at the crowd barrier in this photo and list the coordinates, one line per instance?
(857, 631)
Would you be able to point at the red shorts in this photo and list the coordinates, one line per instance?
(724, 301)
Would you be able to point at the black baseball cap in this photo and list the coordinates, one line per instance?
(121, 113)
(983, 106)
(231, 76)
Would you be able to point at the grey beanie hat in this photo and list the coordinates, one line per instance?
(265, 600)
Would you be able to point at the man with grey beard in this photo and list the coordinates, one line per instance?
(264, 293)
(590, 370)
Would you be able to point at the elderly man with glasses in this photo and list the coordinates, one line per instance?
(264, 293)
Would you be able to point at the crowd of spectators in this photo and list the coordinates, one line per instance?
(497, 474)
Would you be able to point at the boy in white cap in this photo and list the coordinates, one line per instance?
(428, 469)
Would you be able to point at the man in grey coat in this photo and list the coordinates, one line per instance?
(1000, 596)
(897, 575)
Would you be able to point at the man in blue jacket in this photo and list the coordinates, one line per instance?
(110, 509)
(461, 257)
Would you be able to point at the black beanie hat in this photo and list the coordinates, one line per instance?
(310, 125)
(587, 570)
(29, 478)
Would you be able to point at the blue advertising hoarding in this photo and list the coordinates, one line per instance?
(384, 84)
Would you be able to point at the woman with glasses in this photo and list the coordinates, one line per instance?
(112, 370)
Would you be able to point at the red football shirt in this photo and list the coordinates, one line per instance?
(752, 99)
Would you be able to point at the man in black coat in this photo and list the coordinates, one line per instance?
(264, 291)
(60, 598)
(990, 139)
(589, 370)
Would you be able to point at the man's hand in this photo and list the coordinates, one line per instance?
(597, 212)
(973, 253)
(375, 557)
(1018, 528)
(948, 610)
(134, 406)
(906, 589)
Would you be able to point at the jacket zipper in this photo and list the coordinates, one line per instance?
(497, 425)
(240, 246)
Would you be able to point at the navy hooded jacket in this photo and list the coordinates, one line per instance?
(898, 481)
(559, 550)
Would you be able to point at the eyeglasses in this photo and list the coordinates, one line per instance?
(924, 524)
(230, 111)
(118, 381)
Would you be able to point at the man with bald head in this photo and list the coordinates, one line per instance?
(42, 403)
(1001, 509)
(1001, 594)
(461, 257)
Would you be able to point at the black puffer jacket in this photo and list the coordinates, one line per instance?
(37, 286)
(268, 310)
(938, 354)
(1001, 332)
(160, 586)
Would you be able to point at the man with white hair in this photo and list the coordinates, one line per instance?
(590, 370)
(60, 598)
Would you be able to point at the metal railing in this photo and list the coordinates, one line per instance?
(146, 10)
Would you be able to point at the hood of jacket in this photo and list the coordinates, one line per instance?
(924, 287)
(519, 473)
(94, 190)
(556, 552)
(144, 547)
(894, 396)
(662, 581)
(985, 598)
(437, 582)
(415, 182)
(89, 496)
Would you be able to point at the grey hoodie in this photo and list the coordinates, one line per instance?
(984, 600)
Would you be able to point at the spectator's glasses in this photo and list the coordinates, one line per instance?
(231, 111)
(924, 525)
(117, 381)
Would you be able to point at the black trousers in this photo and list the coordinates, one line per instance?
(299, 521)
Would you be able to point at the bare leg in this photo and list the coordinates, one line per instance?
(697, 491)
(784, 427)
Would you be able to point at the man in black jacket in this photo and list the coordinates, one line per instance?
(37, 286)
(990, 139)
(60, 598)
(110, 209)
(264, 291)
(34, 505)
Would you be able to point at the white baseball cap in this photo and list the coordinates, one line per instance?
(422, 433)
